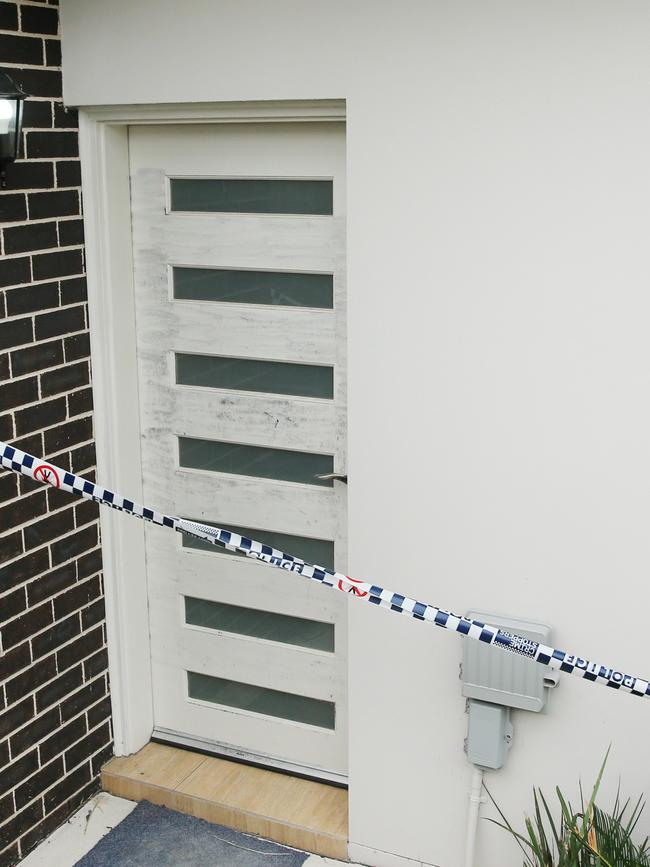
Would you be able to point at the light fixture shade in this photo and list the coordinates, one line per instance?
(11, 116)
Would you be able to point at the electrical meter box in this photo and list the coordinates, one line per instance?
(498, 676)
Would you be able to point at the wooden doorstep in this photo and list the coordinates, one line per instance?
(300, 813)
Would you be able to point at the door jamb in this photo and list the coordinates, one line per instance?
(104, 150)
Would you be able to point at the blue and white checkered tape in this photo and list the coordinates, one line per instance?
(34, 468)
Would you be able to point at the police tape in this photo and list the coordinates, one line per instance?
(41, 471)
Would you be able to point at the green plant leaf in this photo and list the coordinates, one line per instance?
(590, 837)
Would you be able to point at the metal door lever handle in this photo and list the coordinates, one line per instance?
(334, 477)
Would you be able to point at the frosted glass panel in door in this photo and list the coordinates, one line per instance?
(264, 463)
(257, 623)
(259, 699)
(252, 195)
(246, 374)
(227, 285)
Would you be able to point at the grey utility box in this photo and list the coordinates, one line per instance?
(489, 733)
(501, 677)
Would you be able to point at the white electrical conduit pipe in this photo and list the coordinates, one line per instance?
(474, 807)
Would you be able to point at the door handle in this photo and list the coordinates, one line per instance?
(333, 477)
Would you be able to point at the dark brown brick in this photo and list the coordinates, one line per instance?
(27, 299)
(41, 415)
(13, 603)
(36, 82)
(13, 207)
(8, 16)
(55, 635)
(65, 118)
(22, 510)
(20, 823)
(18, 770)
(59, 264)
(95, 613)
(77, 346)
(12, 546)
(99, 712)
(14, 271)
(83, 458)
(10, 856)
(73, 290)
(96, 664)
(39, 19)
(57, 203)
(31, 622)
(18, 392)
(30, 679)
(7, 802)
(83, 699)
(71, 232)
(37, 357)
(63, 739)
(16, 716)
(68, 173)
(21, 49)
(68, 434)
(21, 570)
(52, 52)
(52, 144)
(65, 378)
(4, 366)
(37, 114)
(6, 428)
(33, 236)
(79, 649)
(80, 402)
(60, 322)
(51, 583)
(59, 499)
(67, 787)
(99, 760)
(62, 461)
(15, 660)
(35, 731)
(38, 782)
(16, 332)
(86, 512)
(8, 486)
(57, 689)
(32, 444)
(30, 175)
(88, 746)
(41, 532)
(81, 594)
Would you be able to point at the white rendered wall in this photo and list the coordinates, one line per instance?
(499, 271)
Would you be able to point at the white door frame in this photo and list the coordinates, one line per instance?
(103, 141)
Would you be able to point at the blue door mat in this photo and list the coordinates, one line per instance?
(152, 836)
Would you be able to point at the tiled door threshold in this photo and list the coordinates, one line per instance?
(302, 813)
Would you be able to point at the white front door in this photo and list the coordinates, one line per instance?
(239, 260)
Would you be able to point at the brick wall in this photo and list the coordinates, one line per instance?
(54, 705)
